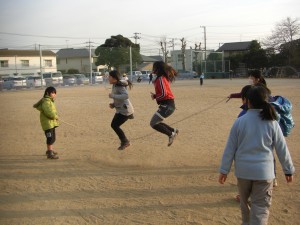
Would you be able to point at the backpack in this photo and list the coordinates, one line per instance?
(283, 107)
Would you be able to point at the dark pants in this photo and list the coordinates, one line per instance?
(164, 111)
(201, 81)
(117, 121)
(50, 136)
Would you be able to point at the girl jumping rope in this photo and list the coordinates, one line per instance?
(124, 108)
(48, 119)
(164, 98)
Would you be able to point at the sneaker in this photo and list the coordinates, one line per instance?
(275, 183)
(172, 137)
(51, 155)
(124, 145)
(49, 151)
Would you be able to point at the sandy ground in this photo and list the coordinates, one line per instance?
(148, 183)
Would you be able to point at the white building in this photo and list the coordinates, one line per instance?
(26, 62)
(77, 59)
(191, 57)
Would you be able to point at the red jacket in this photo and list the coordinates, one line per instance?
(162, 89)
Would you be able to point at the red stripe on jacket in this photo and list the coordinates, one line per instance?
(162, 89)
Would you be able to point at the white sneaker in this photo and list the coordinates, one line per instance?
(172, 137)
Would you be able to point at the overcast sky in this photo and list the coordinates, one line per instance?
(59, 24)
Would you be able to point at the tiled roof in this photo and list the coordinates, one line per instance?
(235, 46)
(30, 53)
(74, 53)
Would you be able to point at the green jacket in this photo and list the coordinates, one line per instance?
(48, 113)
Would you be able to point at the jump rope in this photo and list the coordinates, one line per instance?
(176, 122)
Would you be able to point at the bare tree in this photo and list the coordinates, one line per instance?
(283, 34)
(163, 44)
(183, 47)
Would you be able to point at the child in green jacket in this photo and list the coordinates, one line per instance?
(48, 119)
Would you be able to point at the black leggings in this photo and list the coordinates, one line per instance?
(117, 121)
(164, 111)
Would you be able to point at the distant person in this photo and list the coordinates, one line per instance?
(251, 143)
(201, 78)
(124, 108)
(164, 98)
(150, 78)
(48, 119)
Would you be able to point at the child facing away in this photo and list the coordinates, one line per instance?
(164, 98)
(251, 143)
(48, 119)
(124, 108)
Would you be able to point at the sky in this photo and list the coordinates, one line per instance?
(56, 24)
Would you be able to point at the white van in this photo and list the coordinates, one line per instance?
(53, 78)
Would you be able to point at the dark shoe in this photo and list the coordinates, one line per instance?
(51, 155)
(124, 145)
(49, 151)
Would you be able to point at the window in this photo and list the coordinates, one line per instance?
(48, 63)
(25, 63)
(4, 63)
(180, 57)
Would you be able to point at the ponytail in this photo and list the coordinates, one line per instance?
(258, 98)
(268, 112)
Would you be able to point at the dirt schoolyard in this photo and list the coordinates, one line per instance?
(148, 183)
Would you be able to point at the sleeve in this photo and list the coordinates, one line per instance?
(160, 89)
(229, 151)
(122, 94)
(282, 151)
(49, 110)
(235, 95)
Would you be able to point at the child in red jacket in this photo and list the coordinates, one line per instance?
(164, 98)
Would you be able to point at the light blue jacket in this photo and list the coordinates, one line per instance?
(251, 145)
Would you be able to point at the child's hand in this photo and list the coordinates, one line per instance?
(222, 178)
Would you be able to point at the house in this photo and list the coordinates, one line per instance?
(147, 62)
(234, 48)
(26, 62)
(77, 59)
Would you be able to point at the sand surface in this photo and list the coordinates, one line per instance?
(148, 183)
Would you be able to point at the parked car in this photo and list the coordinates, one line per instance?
(145, 74)
(35, 81)
(97, 78)
(136, 76)
(81, 79)
(53, 78)
(15, 82)
(69, 79)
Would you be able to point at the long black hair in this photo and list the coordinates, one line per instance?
(257, 74)
(115, 74)
(49, 90)
(160, 68)
(258, 98)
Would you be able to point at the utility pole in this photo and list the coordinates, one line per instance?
(91, 61)
(204, 27)
(136, 37)
(41, 67)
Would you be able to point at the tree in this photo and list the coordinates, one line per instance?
(163, 45)
(115, 52)
(183, 46)
(256, 57)
(284, 34)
